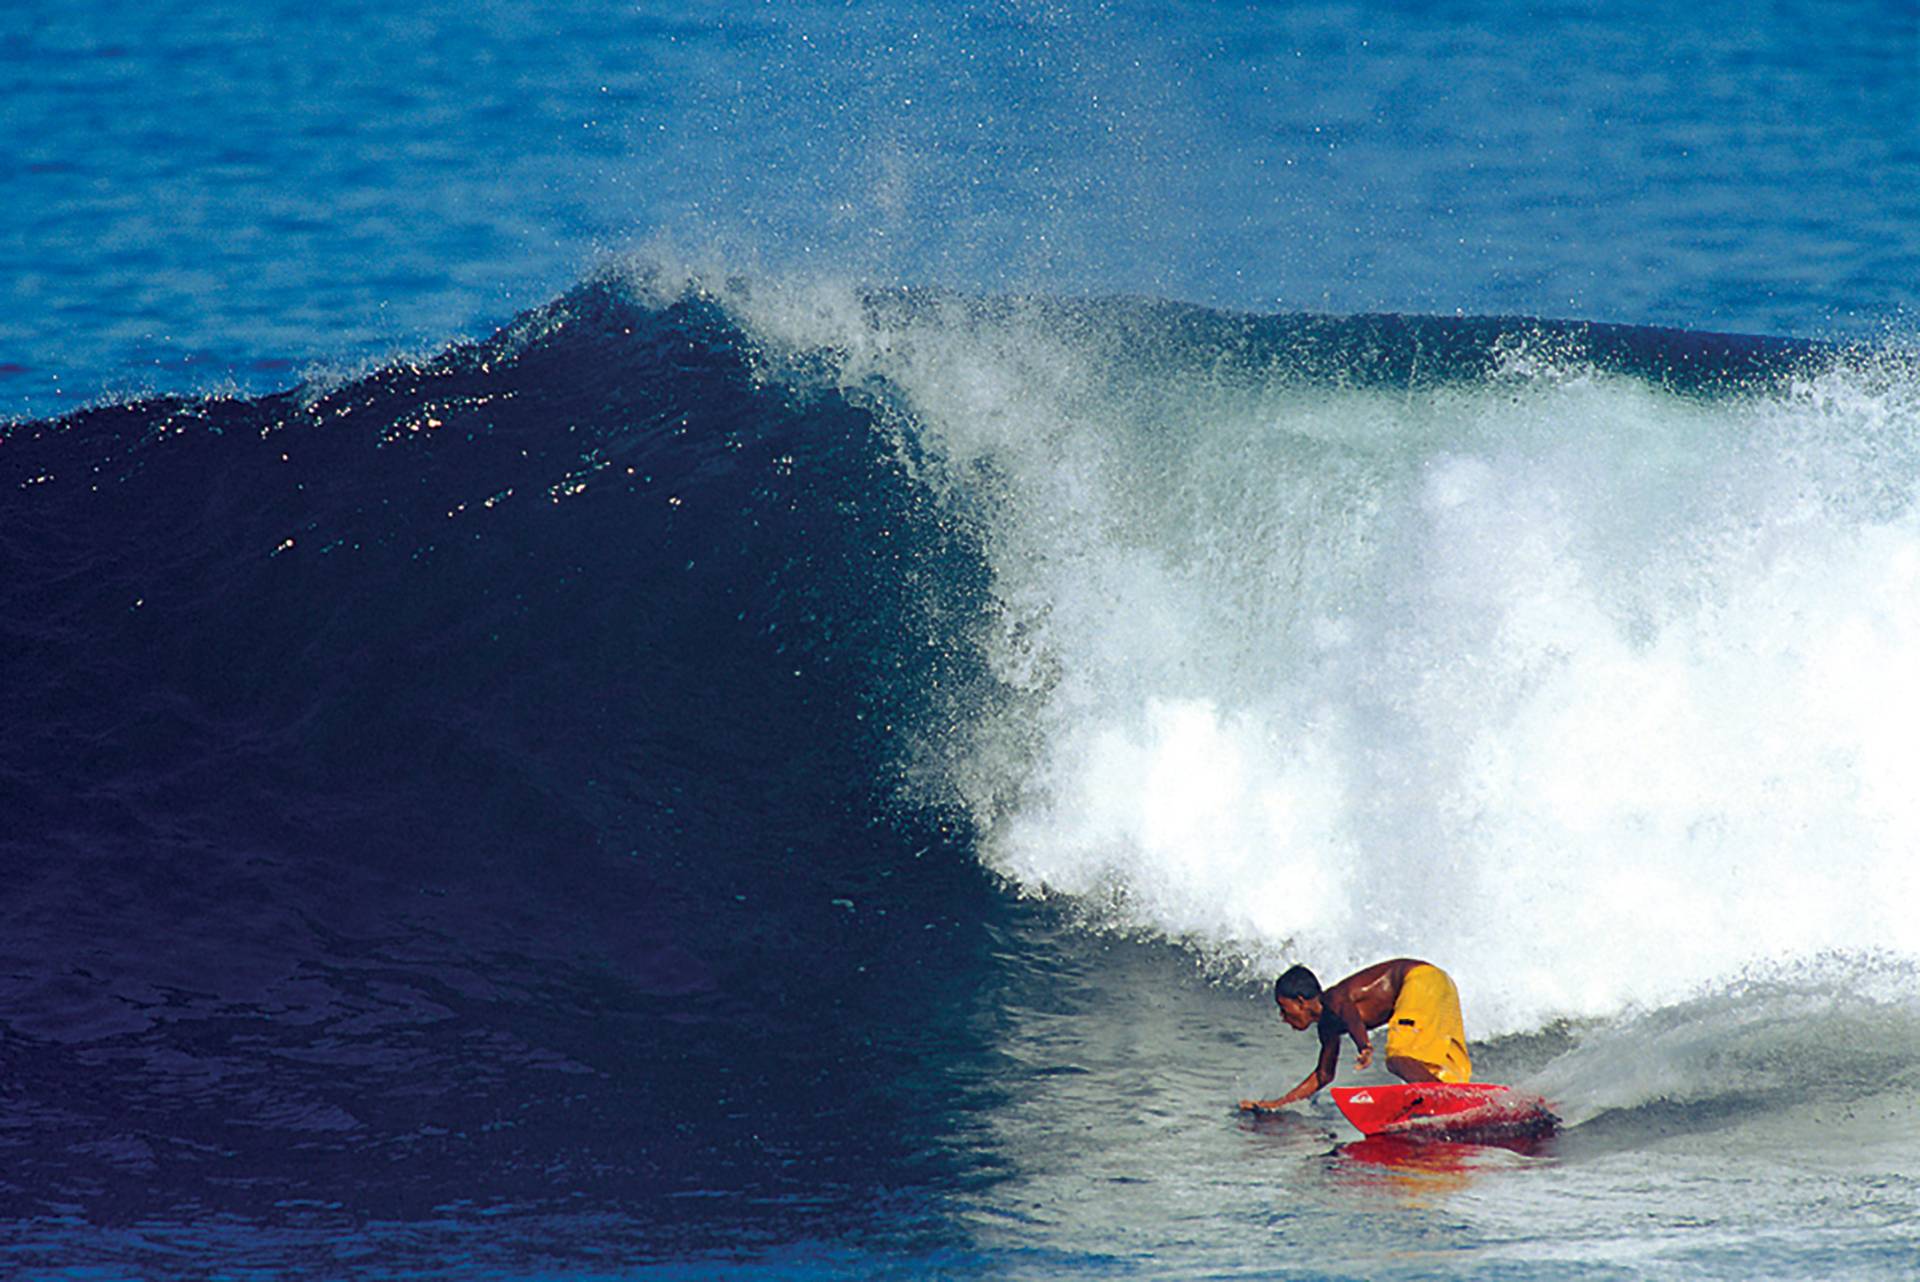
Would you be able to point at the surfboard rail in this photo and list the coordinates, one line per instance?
(1449, 1111)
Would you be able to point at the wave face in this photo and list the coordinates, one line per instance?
(468, 780)
(613, 720)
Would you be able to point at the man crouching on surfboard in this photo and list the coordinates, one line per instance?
(1425, 1043)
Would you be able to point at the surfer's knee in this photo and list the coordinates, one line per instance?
(1412, 1070)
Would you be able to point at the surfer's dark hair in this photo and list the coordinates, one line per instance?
(1298, 983)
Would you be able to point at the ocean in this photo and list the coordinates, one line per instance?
(732, 640)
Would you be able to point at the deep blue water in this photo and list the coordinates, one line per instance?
(649, 643)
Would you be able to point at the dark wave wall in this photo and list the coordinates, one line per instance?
(473, 784)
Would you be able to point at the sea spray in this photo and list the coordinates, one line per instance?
(1842, 1029)
(1591, 685)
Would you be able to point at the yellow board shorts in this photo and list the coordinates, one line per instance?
(1425, 1025)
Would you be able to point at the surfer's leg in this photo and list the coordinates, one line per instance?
(1408, 1069)
(1425, 1028)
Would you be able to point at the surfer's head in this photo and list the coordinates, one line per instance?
(1297, 994)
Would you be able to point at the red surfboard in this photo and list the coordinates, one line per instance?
(1456, 1111)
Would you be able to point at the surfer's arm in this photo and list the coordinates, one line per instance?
(1300, 1092)
(1357, 1030)
(1322, 1074)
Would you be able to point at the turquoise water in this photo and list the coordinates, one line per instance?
(227, 195)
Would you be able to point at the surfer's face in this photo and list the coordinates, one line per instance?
(1299, 1013)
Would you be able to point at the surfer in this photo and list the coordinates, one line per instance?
(1425, 1043)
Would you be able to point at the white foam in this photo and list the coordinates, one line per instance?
(1591, 693)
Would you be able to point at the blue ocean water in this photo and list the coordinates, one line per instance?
(732, 639)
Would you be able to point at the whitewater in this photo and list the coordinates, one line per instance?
(1590, 683)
